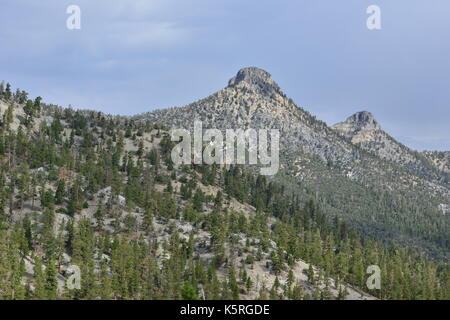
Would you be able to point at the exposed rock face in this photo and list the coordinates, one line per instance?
(364, 131)
(253, 99)
(441, 159)
(350, 160)
(360, 127)
(256, 78)
(445, 208)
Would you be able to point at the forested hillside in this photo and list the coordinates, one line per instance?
(100, 192)
(354, 170)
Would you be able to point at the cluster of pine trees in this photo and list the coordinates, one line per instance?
(54, 163)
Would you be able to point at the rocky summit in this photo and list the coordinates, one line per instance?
(364, 131)
(256, 78)
(359, 127)
(90, 195)
(354, 157)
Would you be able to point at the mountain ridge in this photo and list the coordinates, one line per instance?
(363, 130)
(316, 160)
(259, 89)
(98, 191)
(317, 156)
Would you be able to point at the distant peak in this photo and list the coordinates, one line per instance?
(255, 77)
(357, 123)
(362, 117)
(251, 75)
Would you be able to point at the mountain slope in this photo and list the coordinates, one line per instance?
(387, 196)
(89, 190)
(99, 192)
(441, 159)
(364, 131)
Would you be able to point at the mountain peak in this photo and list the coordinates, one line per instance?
(359, 126)
(255, 77)
(362, 118)
(251, 75)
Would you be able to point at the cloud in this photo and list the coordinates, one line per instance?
(146, 35)
(155, 53)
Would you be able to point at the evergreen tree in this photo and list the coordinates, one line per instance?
(188, 292)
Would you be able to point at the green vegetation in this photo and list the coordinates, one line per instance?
(102, 192)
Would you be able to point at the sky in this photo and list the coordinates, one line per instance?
(135, 56)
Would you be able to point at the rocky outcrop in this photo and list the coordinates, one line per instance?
(253, 99)
(364, 131)
(354, 160)
(360, 127)
(441, 159)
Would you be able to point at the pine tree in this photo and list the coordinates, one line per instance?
(9, 115)
(51, 283)
(311, 275)
(188, 292)
(232, 283)
(39, 280)
(8, 93)
(29, 111)
(198, 200)
(37, 106)
(218, 200)
(60, 192)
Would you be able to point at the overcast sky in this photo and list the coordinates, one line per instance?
(135, 56)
